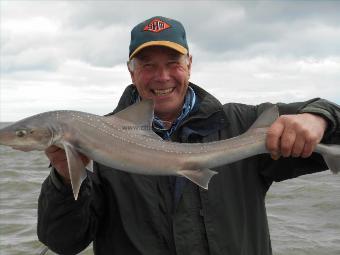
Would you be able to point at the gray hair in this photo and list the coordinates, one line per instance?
(131, 64)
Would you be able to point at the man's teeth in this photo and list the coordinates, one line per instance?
(160, 92)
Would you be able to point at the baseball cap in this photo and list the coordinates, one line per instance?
(158, 31)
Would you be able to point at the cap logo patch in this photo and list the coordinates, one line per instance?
(156, 25)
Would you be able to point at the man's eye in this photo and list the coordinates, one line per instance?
(21, 133)
(148, 65)
(174, 64)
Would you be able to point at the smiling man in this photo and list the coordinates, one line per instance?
(124, 213)
(162, 74)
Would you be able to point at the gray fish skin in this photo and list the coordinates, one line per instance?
(126, 141)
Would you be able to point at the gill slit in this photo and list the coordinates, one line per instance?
(52, 136)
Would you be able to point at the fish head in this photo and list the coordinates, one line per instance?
(27, 135)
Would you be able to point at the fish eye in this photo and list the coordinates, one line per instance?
(21, 133)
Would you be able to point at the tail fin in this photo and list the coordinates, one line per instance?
(331, 155)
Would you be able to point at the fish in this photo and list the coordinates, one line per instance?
(125, 141)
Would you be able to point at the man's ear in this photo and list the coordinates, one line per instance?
(189, 64)
(130, 71)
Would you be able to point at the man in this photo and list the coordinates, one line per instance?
(125, 213)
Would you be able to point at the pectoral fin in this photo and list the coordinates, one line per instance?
(90, 166)
(201, 176)
(331, 155)
(76, 168)
(333, 163)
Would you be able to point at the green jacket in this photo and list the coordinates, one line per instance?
(125, 213)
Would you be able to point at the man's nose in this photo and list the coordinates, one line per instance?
(162, 73)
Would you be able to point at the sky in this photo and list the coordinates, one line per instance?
(72, 55)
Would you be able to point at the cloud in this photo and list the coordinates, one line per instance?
(260, 79)
(269, 28)
(76, 86)
(98, 31)
(106, 46)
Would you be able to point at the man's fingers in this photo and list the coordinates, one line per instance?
(52, 149)
(311, 142)
(287, 142)
(55, 154)
(298, 147)
(85, 159)
(295, 135)
(273, 139)
(308, 150)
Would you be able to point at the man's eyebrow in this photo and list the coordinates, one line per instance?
(143, 58)
(175, 56)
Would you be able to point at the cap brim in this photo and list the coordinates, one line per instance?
(172, 45)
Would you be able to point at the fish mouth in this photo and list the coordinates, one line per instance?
(22, 148)
(162, 92)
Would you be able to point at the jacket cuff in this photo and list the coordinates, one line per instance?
(56, 179)
(332, 125)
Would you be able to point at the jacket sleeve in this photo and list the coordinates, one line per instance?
(286, 168)
(67, 226)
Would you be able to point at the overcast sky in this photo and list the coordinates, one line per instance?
(72, 54)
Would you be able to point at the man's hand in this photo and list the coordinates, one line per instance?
(57, 157)
(295, 135)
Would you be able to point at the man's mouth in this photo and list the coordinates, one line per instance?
(162, 92)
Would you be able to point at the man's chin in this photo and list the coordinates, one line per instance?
(165, 109)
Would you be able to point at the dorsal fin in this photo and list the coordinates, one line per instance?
(266, 118)
(140, 114)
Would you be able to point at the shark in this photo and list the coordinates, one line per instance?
(126, 141)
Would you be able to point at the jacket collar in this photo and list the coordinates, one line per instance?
(210, 110)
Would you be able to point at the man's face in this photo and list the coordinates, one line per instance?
(162, 74)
